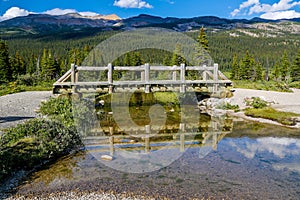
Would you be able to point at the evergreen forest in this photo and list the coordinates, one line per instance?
(33, 60)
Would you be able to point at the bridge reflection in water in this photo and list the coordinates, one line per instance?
(204, 134)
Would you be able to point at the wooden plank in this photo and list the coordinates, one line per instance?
(83, 68)
(169, 83)
(64, 77)
(137, 69)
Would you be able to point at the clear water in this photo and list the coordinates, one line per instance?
(252, 161)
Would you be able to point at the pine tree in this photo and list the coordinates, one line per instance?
(201, 55)
(167, 61)
(31, 67)
(44, 64)
(127, 60)
(177, 58)
(235, 68)
(17, 65)
(202, 39)
(295, 70)
(246, 67)
(284, 67)
(136, 59)
(276, 72)
(49, 66)
(5, 68)
(258, 71)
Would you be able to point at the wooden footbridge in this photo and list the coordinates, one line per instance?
(207, 79)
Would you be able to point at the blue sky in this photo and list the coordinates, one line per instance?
(271, 9)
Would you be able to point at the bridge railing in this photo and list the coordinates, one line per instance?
(208, 76)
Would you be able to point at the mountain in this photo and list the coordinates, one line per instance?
(49, 24)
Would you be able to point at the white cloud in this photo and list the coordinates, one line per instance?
(281, 8)
(280, 147)
(14, 12)
(132, 4)
(18, 12)
(244, 5)
(58, 11)
(282, 5)
(289, 14)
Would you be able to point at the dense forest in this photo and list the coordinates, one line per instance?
(40, 58)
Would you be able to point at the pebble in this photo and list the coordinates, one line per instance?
(80, 196)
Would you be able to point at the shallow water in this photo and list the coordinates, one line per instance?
(253, 161)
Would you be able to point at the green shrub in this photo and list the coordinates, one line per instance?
(295, 84)
(33, 142)
(28, 80)
(228, 106)
(256, 102)
(59, 109)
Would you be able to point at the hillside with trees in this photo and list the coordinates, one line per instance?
(32, 60)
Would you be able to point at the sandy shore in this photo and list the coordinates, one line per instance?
(288, 102)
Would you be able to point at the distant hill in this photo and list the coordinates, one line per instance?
(43, 24)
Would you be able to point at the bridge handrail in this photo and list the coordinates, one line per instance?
(210, 75)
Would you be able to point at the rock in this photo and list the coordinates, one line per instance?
(107, 157)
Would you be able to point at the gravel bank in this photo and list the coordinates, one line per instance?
(80, 196)
(16, 108)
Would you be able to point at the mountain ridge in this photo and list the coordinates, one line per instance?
(41, 23)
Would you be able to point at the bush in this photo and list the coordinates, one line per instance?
(228, 106)
(59, 109)
(295, 84)
(33, 142)
(28, 80)
(256, 102)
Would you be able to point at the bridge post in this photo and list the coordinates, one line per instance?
(142, 75)
(73, 77)
(110, 78)
(174, 78)
(147, 138)
(111, 141)
(216, 78)
(182, 78)
(147, 78)
(204, 74)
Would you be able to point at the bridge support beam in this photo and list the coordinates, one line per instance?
(182, 78)
(147, 78)
(216, 78)
(73, 77)
(110, 78)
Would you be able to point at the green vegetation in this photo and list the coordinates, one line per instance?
(264, 85)
(40, 140)
(256, 103)
(261, 109)
(228, 106)
(286, 118)
(33, 143)
(14, 87)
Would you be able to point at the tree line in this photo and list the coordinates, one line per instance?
(247, 68)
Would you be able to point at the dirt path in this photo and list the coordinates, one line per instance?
(16, 108)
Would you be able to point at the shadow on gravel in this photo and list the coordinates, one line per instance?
(13, 119)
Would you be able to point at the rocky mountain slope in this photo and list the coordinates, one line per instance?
(42, 23)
